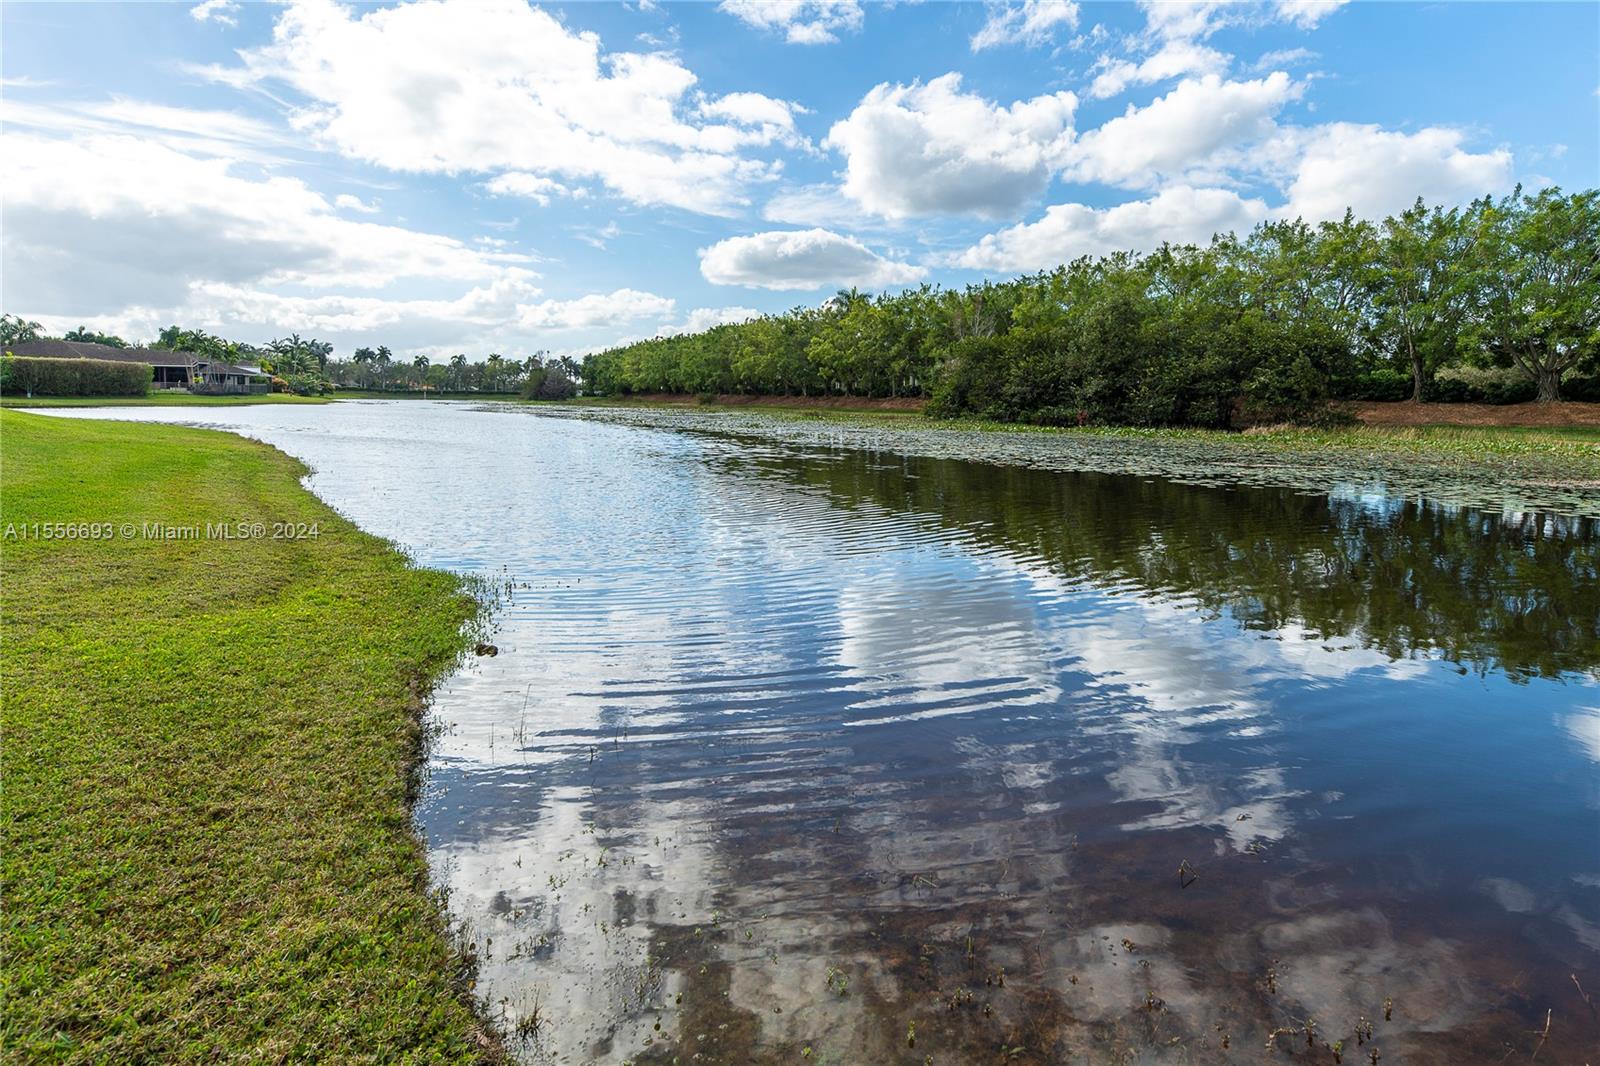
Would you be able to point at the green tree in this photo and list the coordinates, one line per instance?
(1416, 292)
(15, 330)
(1532, 279)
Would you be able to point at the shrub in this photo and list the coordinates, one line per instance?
(548, 383)
(1581, 387)
(304, 384)
(1384, 384)
(1469, 384)
(72, 377)
(1285, 389)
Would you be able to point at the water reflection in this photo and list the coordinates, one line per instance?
(795, 748)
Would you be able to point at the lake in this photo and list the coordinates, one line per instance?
(799, 751)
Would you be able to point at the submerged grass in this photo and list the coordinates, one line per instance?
(1466, 441)
(208, 757)
(1510, 470)
(157, 398)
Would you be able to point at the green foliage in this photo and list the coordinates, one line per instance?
(208, 345)
(15, 330)
(206, 846)
(72, 377)
(1268, 327)
(84, 333)
(1471, 384)
(1531, 283)
(550, 381)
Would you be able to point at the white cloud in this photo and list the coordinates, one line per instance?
(1170, 44)
(703, 318)
(1179, 132)
(800, 259)
(1033, 23)
(225, 133)
(491, 86)
(102, 222)
(346, 202)
(218, 11)
(1177, 215)
(1187, 19)
(1280, 58)
(1306, 13)
(1174, 59)
(815, 205)
(595, 310)
(503, 315)
(529, 186)
(933, 149)
(598, 238)
(1378, 172)
(801, 21)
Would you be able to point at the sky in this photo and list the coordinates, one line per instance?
(495, 176)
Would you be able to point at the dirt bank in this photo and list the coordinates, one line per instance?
(1476, 414)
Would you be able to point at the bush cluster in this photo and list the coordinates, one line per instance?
(29, 376)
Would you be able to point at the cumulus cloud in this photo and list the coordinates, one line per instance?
(1320, 171)
(932, 149)
(503, 314)
(1377, 172)
(109, 221)
(1179, 214)
(496, 86)
(596, 309)
(1032, 23)
(800, 259)
(800, 21)
(1179, 132)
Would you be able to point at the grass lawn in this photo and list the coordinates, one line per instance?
(156, 398)
(207, 847)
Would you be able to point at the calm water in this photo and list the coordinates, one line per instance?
(792, 747)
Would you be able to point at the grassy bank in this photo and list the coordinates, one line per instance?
(207, 850)
(158, 398)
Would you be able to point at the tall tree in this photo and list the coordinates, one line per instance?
(1533, 279)
(1415, 296)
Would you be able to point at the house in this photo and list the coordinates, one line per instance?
(169, 370)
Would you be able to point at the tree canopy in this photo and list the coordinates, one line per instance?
(1270, 325)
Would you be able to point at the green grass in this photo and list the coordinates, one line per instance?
(156, 398)
(207, 847)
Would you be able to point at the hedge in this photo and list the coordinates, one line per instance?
(72, 377)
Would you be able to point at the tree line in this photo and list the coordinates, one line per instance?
(1498, 300)
(307, 366)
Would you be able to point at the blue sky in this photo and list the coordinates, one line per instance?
(490, 175)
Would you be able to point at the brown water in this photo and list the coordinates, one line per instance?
(800, 753)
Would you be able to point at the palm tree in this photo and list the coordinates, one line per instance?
(458, 371)
(420, 365)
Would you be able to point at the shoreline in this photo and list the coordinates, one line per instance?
(1510, 470)
(213, 747)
